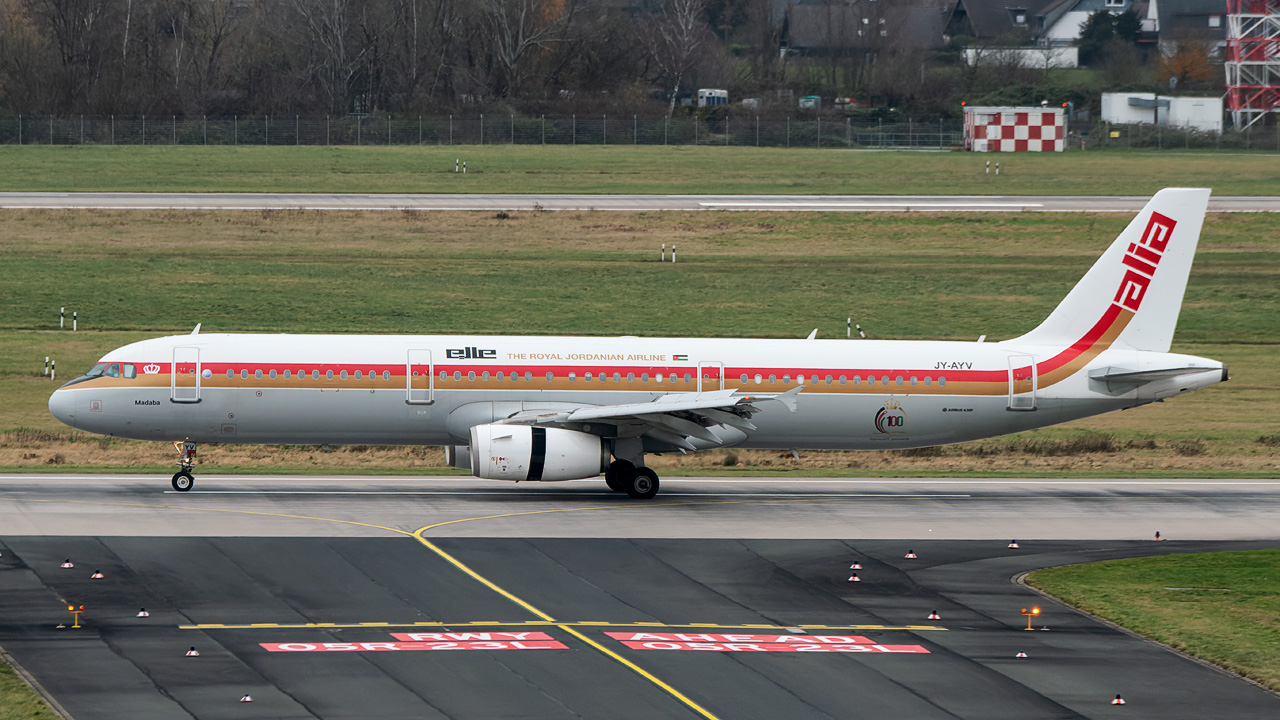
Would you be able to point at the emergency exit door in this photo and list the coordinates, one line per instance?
(184, 375)
(710, 376)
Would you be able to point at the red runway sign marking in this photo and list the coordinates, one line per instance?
(432, 641)
(758, 643)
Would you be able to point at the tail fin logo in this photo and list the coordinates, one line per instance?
(1141, 259)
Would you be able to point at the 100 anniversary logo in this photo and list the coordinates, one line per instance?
(891, 418)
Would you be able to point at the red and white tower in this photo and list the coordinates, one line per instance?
(1253, 60)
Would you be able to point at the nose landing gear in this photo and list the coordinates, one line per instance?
(183, 479)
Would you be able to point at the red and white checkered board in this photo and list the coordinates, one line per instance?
(1033, 131)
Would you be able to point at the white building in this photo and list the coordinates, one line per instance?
(1203, 114)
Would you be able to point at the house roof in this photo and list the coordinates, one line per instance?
(1191, 17)
(822, 26)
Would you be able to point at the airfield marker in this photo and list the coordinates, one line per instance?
(193, 652)
(1118, 701)
(74, 315)
(62, 318)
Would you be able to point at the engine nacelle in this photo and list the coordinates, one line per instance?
(458, 456)
(522, 452)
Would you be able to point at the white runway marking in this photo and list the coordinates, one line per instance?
(482, 491)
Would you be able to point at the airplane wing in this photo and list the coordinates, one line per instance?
(683, 421)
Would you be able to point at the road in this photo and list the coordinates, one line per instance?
(333, 597)
(788, 203)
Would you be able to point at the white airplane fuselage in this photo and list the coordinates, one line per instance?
(407, 390)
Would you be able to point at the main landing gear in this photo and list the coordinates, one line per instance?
(183, 479)
(640, 483)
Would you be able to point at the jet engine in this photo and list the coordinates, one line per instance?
(522, 452)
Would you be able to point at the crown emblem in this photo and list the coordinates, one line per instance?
(892, 404)
(151, 369)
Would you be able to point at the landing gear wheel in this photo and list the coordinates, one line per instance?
(182, 481)
(615, 474)
(641, 483)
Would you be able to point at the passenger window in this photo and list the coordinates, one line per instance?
(942, 381)
(359, 374)
(444, 375)
(759, 378)
(913, 379)
(315, 374)
(500, 376)
(130, 371)
(657, 377)
(928, 380)
(644, 377)
(386, 374)
(328, 374)
(786, 379)
(273, 374)
(244, 374)
(898, 380)
(550, 376)
(471, 375)
(231, 374)
(457, 375)
(884, 379)
(257, 374)
(287, 374)
(485, 377)
(773, 379)
(857, 379)
(573, 376)
(828, 379)
(743, 379)
(631, 377)
(688, 378)
(343, 375)
(617, 377)
(871, 380)
(587, 376)
(528, 377)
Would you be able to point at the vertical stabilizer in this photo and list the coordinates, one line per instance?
(1133, 293)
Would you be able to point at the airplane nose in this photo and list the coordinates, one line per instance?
(62, 405)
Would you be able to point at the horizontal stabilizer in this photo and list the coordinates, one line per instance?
(1141, 377)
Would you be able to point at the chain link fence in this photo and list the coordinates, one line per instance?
(481, 129)
(816, 132)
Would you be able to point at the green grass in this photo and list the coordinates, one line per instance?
(1222, 607)
(621, 169)
(18, 701)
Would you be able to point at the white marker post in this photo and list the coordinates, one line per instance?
(46, 365)
(988, 167)
(456, 162)
(664, 252)
(860, 333)
(73, 320)
(997, 168)
(848, 327)
(464, 167)
(673, 252)
(53, 369)
(62, 318)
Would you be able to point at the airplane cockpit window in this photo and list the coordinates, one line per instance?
(112, 370)
(129, 370)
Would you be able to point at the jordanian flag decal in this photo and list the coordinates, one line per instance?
(680, 358)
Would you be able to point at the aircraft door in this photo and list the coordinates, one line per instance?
(710, 376)
(184, 375)
(1023, 382)
(420, 383)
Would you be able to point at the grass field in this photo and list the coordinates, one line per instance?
(1223, 607)
(136, 275)
(18, 701)
(621, 169)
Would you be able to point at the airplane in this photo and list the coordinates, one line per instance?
(565, 408)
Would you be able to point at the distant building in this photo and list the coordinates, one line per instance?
(818, 28)
(1195, 113)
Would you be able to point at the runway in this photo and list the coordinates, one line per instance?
(494, 202)
(332, 597)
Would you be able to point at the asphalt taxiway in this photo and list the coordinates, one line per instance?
(723, 598)
(444, 201)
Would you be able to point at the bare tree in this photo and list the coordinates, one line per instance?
(333, 61)
(519, 27)
(673, 42)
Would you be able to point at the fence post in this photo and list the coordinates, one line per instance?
(846, 132)
(81, 129)
(757, 131)
(574, 133)
(358, 120)
(266, 129)
(544, 129)
(326, 128)
(818, 120)
(450, 129)
(911, 132)
(419, 129)
(604, 129)
(113, 129)
(297, 130)
(513, 128)
(482, 128)
(664, 129)
(635, 131)
(788, 131)
(880, 132)
(939, 133)
(726, 130)
(388, 130)
(235, 129)
(175, 129)
(695, 131)
(50, 129)
(204, 128)
(144, 129)
(20, 129)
